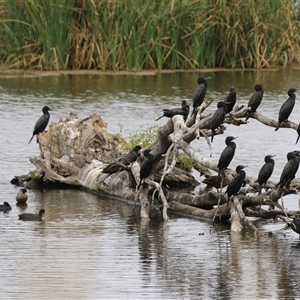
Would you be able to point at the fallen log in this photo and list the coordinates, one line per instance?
(75, 151)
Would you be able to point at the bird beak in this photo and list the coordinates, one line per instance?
(207, 78)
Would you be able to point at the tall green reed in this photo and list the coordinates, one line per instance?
(137, 34)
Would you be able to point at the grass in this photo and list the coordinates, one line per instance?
(137, 35)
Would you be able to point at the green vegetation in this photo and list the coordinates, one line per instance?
(142, 138)
(138, 35)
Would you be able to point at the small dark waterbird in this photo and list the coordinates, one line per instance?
(217, 118)
(298, 131)
(22, 196)
(5, 206)
(227, 154)
(146, 166)
(289, 170)
(230, 99)
(41, 123)
(255, 100)
(295, 225)
(31, 216)
(129, 158)
(169, 113)
(286, 108)
(199, 93)
(236, 183)
(266, 171)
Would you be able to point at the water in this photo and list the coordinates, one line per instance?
(93, 247)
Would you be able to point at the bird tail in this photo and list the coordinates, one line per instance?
(194, 109)
(297, 139)
(279, 192)
(31, 139)
(159, 118)
(277, 127)
(248, 115)
(212, 135)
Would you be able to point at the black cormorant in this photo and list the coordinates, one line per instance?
(22, 196)
(146, 166)
(217, 118)
(286, 108)
(199, 93)
(169, 113)
(295, 225)
(230, 99)
(127, 160)
(31, 216)
(255, 99)
(5, 206)
(289, 171)
(42, 122)
(227, 154)
(236, 183)
(266, 171)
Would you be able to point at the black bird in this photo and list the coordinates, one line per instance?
(217, 118)
(169, 113)
(266, 171)
(42, 122)
(230, 99)
(5, 206)
(237, 182)
(286, 108)
(295, 225)
(146, 166)
(289, 171)
(199, 93)
(127, 160)
(255, 100)
(31, 216)
(215, 181)
(298, 131)
(227, 154)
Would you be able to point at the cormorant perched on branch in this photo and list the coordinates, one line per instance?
(127, 160)
(255, 100)
(266, 171)
(227, 154)
(289, 171)
(230, 99)
(146, 166)
(199, 93)
(298, 131)
(237, 182)
(286, 108)
(169, 113)
(217, 118)
(42, 122)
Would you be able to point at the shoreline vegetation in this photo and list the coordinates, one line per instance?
(152, 36)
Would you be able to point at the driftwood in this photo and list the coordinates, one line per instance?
(75, 151)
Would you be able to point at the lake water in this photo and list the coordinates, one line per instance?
(93, 247)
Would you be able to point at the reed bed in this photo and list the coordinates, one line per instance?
(138, 35)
